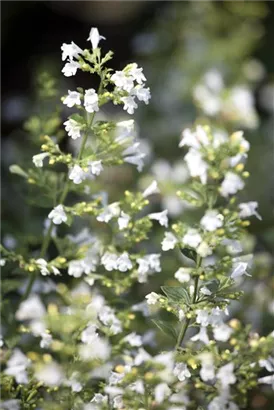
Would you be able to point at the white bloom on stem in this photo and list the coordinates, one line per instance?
(91, 100)
(151, 189)
(73, 128)
(111, 211)
(129, 104)
(161, 392)
(226, 375)
(51, 374)
(43, 266)
(201, 336)
(212, 220)
(152, 298)
(73, 98)
(183, 274)
(58, 215)
(204, 249)
(134, 340)
(124, 263)
(109, 261)
(207, 371)
(248, 209)
(192, 238)
(70, 68)
(181, 315)
(137, 73)
(89, 334)
(70, 51)
(169, 241)
(108, 318)
(122, 81)
(77, 174)
(202, 317)
(75, 268)
(161, 217)
(148, 264)
(95, 167)
(143, 94)
(46, 340)
(222, 332)
(189, 139)
(267, 380)
(38, 159)
(239, 269)
(196, 165)
(16, 367)
(94, 37)
(205, 291)
(123, 220)
(181, 371)
(31, 308)
(231, 184)
(99, 398)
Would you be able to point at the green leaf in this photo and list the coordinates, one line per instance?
(212, 285)
(176, 294)
(166, 328)
(15, 169)
(78, 118)
(189, 253)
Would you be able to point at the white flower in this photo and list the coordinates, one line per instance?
(99, 349)
(38, 159)
(137, 73)
(151, 189)
(181, 371)
(51, 374)
(201, 336)
(70, 68)
(2, 262)
(89, 335)
(196, 165)
(58, 215)
(129, 104)
(152, 298)
(73, 128)
(75, 385)
(143, 94)
(122, 81)
(268, 364)
(43, 266)
(77, 174)
(16, 367)
(123, 220)
(192, 238)
(207, 371)
(226, 375)
(124, 263)
(204, 249)
(222, 332)
(239, 269)
(267, 380)
(91, 100)
(125, 129)
(95, 167)
(72, 99)
(109, 260)
(109, 212)
(183, 274)
(148, 264)
(248, 209)
(133, 339)
(31, 308)
(94, 37)
(202, 317)
(46, 340)
(70, 51)
(161, 217)
(212, 220)
(205, 291)
(108, 318)
(75, 268)
(161, 392)
(99, 398)
(231, 184)
(169, 241)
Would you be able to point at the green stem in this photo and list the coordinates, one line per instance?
(194, 298)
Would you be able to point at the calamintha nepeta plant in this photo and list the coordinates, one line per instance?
(83, 343)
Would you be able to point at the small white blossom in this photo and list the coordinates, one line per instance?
(226, 375)
(46, 340)
(43, 266)
(70, 68)
(152, 298)
(109, 260)
(16, 367)
(147, 265)
(31, 308)
(91, 101)
(239, 269)
(204, 249)
(73, 128)
(212, 220)
(123, 81)
(181, 371)
(169, 241)
(72, 99)
(77, 174)
(99, 398)
(94, 37)
(51, 374)
(143, 94)
(89, 335)
(207, 371)
(108, 318)
(70, 51)
(129, 104)
(231, 184)
(205, 291)
(38, 159)
(202, 317)
(95, 167)
(222, 332)
(137, 73)
(109, 212)
(161, 392)
(133, 339)
(124, 263)
(196, 165)
(123, 220)
(161, 217)
(183, 274)
(248, 209)
(151, 189)
(58, 215)
(201, 336)
(192, 238)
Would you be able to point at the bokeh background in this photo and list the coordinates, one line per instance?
(209, 62)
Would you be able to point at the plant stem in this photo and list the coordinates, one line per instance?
(194, 298)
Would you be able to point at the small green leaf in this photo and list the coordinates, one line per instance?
(189, 253)
(176, 294)
(166, 328)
